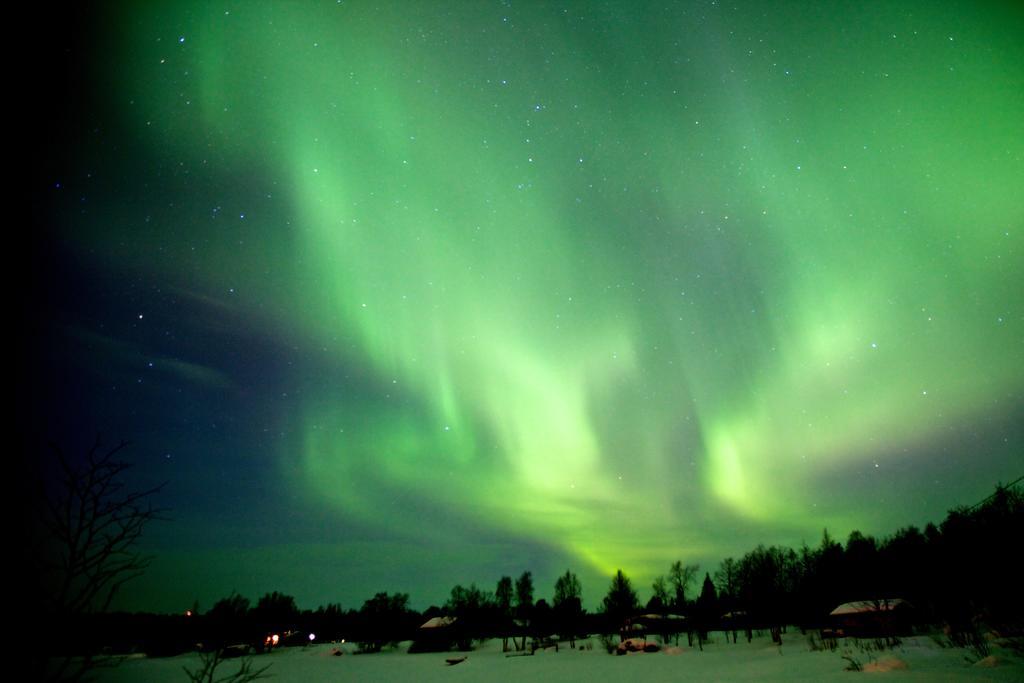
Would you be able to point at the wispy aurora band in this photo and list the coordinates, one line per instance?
(585, 308)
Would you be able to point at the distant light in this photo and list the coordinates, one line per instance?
(312, 637)
(188, 613)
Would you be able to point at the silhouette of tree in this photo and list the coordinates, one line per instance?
(621, 602)
(276, 611)
(542, 622)
(904, 563)
(708, 596)
(861, 567)
(707, 602)
(567, 605)
(503, 595)
(524, 595)
(680, 577)
(503, 603)
(228, 621)
(328, 622)
(726, 579)
(383, 619)
(706, 610)
(91, 524)
(567, 588)
(209, 662)
(765, 582)
(468, 603)
(233, 607)
(660, 599)
(828, 574)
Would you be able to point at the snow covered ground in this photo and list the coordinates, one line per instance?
(720, 661)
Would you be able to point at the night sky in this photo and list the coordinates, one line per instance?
(401, 295)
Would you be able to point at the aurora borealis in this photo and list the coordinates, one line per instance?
(402, 295)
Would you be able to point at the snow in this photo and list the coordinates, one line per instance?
(720, 661)
(864, 606)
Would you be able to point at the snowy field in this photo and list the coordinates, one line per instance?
(720, 661)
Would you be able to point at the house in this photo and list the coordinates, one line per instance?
(439, 634)
(872, 618)
(438, 622)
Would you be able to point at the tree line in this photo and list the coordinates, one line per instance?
(959, 574)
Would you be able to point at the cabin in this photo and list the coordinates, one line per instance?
(663, 625)
(872, 618)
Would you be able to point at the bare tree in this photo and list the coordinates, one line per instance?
(503, 600)
(568, 606)
(727, 578)
(660, 592)
(680, 577)
(209, 663)
(91, 525)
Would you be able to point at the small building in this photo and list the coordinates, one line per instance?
(872, 618)
(438, 622)
(437, 634)
(663, 625)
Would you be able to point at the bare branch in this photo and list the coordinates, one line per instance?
(93, 523)
(210, 661)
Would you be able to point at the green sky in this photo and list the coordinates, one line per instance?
(619, 283)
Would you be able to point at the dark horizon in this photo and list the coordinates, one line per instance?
(955, 582)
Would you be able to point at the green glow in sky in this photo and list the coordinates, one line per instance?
(621, 280)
